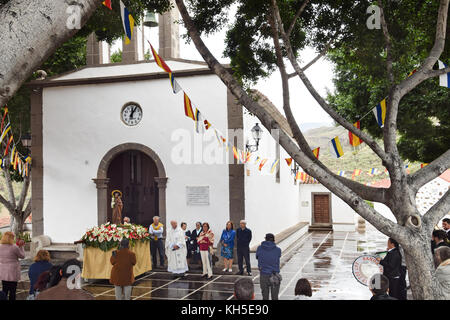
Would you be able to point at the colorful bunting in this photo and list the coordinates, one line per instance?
(160, 61)
(5, 132)
(288, 161)
(175, 86)
(7, 146)
(107, 3)
(444, 79)
(274, 166)
(199, 122)
(261, 165)
(235, 153)
(316, 152)
(380, 113)
(423, 165)
(342, 173)
(207, 124)
(336, 148)
(188, 107)
(127, 22)
(412, 72)
(3, 119)
(354, 139)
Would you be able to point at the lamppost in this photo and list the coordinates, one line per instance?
(256, 133)
(26, 141)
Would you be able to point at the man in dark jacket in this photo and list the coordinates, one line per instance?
(193, 246)
(446, 226)
(243, 238)
(379, 286)
(392, 268)
(268, 255)
(438, 239)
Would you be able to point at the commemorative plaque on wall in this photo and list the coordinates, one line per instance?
(197, 196)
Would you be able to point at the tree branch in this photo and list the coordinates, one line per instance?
(368, 193)
(430, 172)
(353, 200)
(436, 73)
(387, 38)
(9, 185)
(437, 212)
(6, 204)
(325, 106)
(313, 61)
(297, 15)
(27, 211)
(426, 69)
(23, 194)
(298, 135)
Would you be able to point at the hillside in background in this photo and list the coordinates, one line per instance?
(361, 158)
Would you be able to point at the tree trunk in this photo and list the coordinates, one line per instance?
(16, 224)
(421, 269)
(30, 31)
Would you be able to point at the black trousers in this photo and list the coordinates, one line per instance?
(394, 288)
(9, 288)
(157, 245)
(402, 284)
(244, 253)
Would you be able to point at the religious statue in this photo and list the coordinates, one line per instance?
(117, 206)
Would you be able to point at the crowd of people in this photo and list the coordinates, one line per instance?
(183, 247)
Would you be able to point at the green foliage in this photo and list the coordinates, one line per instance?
(361, 79)
(248, 41)
(116, 56)
(25, 236)
(107, 24)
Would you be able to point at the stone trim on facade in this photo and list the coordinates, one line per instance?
(102, 180)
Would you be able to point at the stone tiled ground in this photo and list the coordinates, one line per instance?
(324, 258)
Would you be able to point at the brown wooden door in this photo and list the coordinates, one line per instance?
(133, 173)
(321, 208)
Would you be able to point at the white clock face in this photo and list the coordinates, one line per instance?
(131, 114)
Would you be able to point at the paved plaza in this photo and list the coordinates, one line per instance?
(324, 258)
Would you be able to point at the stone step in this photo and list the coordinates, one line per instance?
(319, 227)
(62, 251)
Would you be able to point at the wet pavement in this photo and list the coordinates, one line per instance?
(324, 258)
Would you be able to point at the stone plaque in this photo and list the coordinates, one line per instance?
(197, 196)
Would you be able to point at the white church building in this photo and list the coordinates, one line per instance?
(85, 146)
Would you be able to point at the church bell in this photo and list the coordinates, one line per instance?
(150, 20)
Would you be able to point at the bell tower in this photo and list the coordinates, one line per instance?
(169, 34)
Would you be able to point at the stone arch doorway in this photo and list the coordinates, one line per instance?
(139, 173)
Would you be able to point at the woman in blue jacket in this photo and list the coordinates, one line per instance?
(40, 265)
(227, 242)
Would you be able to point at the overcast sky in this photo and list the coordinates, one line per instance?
(305, 108)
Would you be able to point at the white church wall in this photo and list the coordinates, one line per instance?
(81, 124)
(270, 207)
(343, 217)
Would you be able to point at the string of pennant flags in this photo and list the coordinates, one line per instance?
(8, 148)
(202, 124)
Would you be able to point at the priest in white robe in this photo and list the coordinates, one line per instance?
(176, 250)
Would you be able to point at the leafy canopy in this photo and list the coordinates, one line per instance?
(358, 53)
